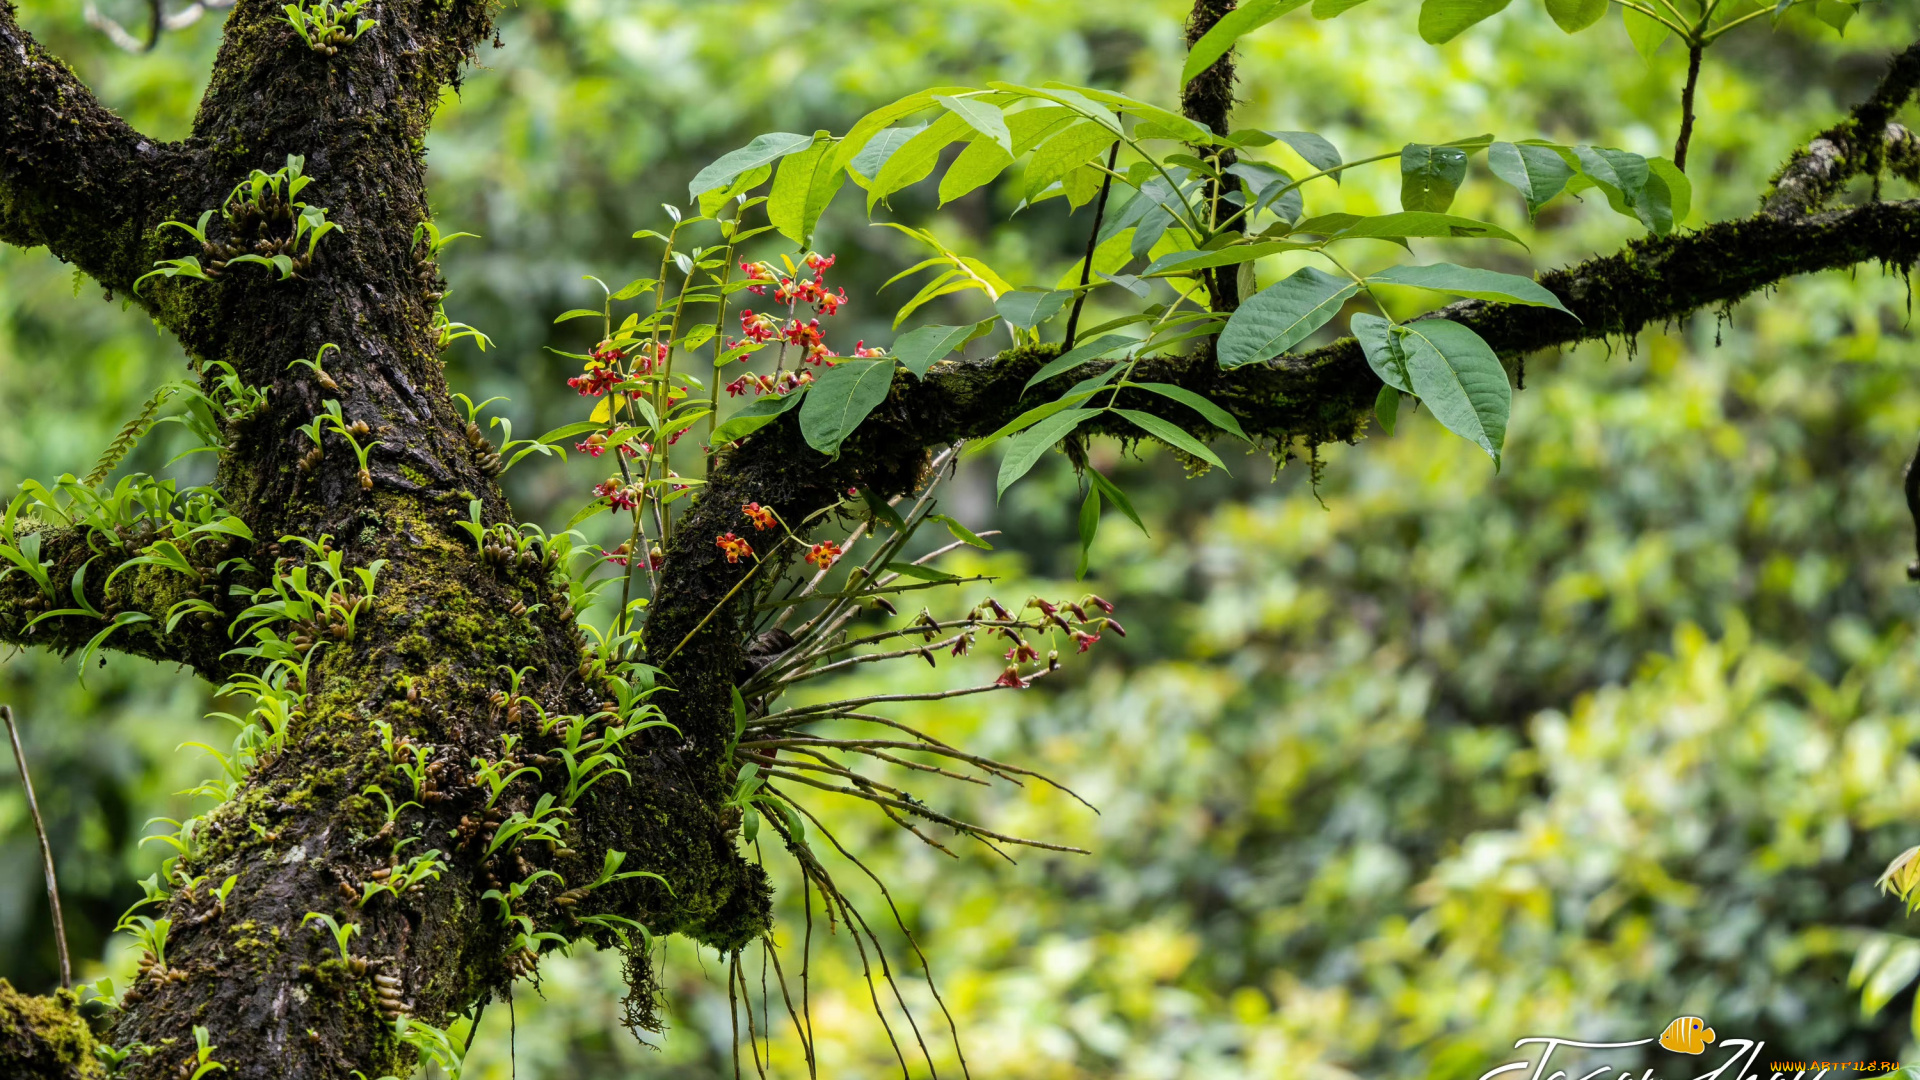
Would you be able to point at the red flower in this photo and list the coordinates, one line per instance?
(830, 303)
(824, 555)
(860, 349)
(738, 386)
(616, 493)
(1022, 652)
(819, 263)
(620, 556)
(1099, 603)
(962, 644)
(1011, 678)
(761, 517)
(598, 380)
(1086, 640)
(733, 546)
(656, 558)
(595, 445)
(759, 328)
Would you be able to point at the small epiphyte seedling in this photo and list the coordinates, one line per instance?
(426, 246)
(326, 27)
(319, 372)
(341, 936)
(266, 224)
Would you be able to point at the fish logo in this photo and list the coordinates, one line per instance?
(1687, 1035)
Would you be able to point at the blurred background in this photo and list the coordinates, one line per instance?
(1393, 769)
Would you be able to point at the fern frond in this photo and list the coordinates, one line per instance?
(130, 436)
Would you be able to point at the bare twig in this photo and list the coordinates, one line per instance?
(1686, 107)
(46, 849)
(159, 22)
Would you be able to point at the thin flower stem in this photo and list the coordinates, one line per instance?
(46, 850)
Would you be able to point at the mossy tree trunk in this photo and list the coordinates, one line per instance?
(429, 657)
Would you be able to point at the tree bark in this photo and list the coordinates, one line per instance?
(428, 657)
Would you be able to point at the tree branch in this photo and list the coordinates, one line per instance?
(73, 176)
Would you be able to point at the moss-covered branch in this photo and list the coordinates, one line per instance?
(73, 176)
(44, 1038)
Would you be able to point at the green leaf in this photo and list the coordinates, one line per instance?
(756, 415)
(1461, 381)
(1472, 282)
(981, 116)
(805, 184)
(1027, 447)
(981, 161)
(924, 573)
(1215, 415)
(763, 150)
(1670, 196)
(961, 532)
(841, 397)
(1112, 493)
(1383, 350)
(914, 161)
(879, 151)
(1401, 225)
(1078, 355)
(1429, 176)
(1281, 316)
(870, 126)
(881, 511)
(1089, 527)
(1327, 9)
(1067, 150)
(1537, 172)
(1232, 27)
(1835, 13)
(1646, 33)
(1386, 408)
(1184, 263)
(1027, 309)
(1172, 435)
(1574, 16)
(920, 348)
(579, 313)
(1442, 20)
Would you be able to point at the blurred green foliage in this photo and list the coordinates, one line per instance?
(1393, 769)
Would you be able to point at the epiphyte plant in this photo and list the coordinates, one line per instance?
(326, 27)
(266, 224)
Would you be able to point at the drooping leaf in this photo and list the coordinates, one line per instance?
(981, 161)
(1089, 528)
(1457, 375)
(1443, 20)
(1215, 415)
(1386, 408)
(1646, 33)
(1112, 493)
(1026, 448)
(981, 116)
(1272, 189)
(870, 126)
(1314, 149)
(763, 150)
(914, 161)
(1668, 189)
(1471, 282)
(1232, 27)
(1081, 185)
(841, 397)
(1171, 434)
(756, 415)
(1026, 309)
(920, 348)
(1537, 172)
(1383, 350)
(805, 184)
(1281, 316)
(1574, 16)
(1429, 176)
(879, 150)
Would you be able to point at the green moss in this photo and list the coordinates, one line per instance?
(44, 1038)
